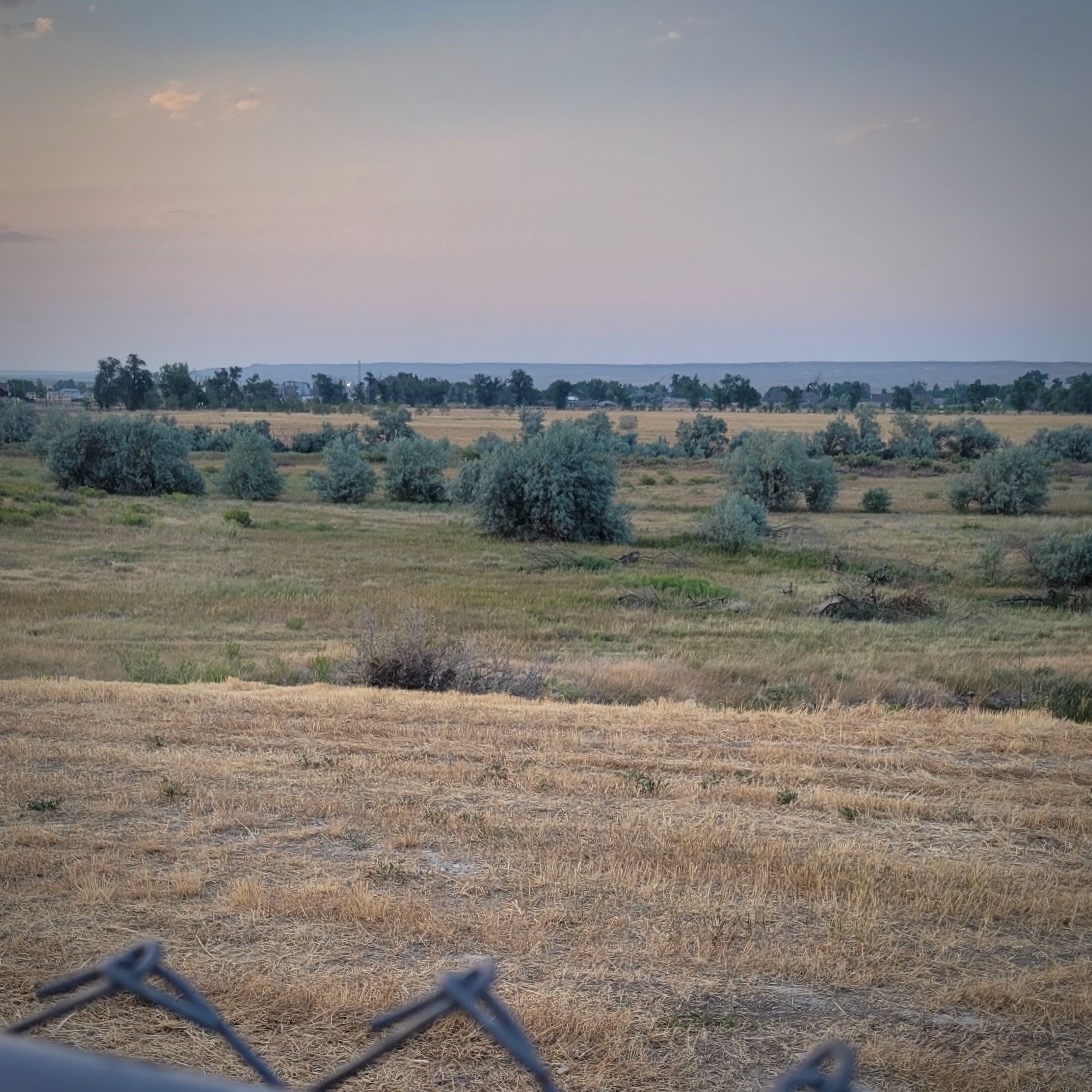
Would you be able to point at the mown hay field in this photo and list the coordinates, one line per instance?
(463, 425)
(678, 897)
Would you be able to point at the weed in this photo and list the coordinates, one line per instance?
(44, 803)
(387, 871)
(358, 840)
(322, 762)
(322, 668)
(711, 781)
(240, 516)
(172, 790)
(496, 771)
(990, 562)
(849, 813)
(787, 796)
(643, 783)
(294, 623)
(136, 515)
(647, 479)
(700, 1021)
(156, 742)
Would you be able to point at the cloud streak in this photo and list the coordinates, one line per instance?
(7, 235)
(175, 100)
(874, 129)
(250, 101)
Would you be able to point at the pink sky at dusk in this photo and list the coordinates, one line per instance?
(523, 180)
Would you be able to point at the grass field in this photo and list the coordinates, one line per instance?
(730, 827)
(677, 897)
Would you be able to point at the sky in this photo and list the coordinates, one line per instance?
(582, 181)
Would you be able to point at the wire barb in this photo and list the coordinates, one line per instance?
(129, 971)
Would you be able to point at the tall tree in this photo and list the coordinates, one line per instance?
(105, 389)
(521, 386)
(178, 388)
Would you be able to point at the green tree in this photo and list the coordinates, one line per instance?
(178, 388)
(558, 393)
(415, 470)
(487, 389)
(136, 384)
(327, 390)
(249, 471)
(222, 388)
(521, 387)
(105, 389)
(349, 479)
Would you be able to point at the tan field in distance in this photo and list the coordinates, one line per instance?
(678, 897)
(462, 426)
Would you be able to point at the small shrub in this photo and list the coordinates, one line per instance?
(240, 516)
(1062, 561)
(249, 470)
(990, 561)
(1010, 481)
(647, 479)
(876, 500)
(703, 437)
(820, 484)
(849, 813)
(787, 796)
(735, 522)
(137, 515)
(349, 479)
(415, 469)
(294, 623)
(18, 420)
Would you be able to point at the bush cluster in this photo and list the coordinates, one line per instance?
(415, 469)
(774, 469)
(136, 456)
(1063, 561)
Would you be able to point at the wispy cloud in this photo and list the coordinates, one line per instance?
(175, 100)
(667, 38)
(250, 101)
(34, 29)
(874, 129)
(7, 235)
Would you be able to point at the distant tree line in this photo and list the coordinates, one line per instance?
(132, 385)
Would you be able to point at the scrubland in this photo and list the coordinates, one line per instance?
(730, 827)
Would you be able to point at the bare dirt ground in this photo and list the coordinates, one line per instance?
(677, 897)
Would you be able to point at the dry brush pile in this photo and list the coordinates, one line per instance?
(677, 897)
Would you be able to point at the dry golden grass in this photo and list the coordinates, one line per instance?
(663, 914)
(463, 426)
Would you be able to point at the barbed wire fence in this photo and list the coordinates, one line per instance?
(30, 1065)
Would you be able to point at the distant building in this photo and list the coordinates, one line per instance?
(295, 388)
